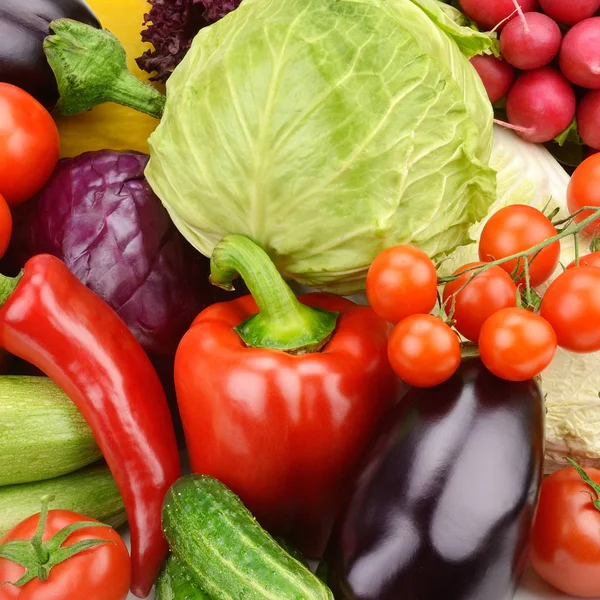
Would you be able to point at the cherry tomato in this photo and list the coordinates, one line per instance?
(424, 351)
(516, 344)
(5, 226)
(100, 573)
(29, 145)
(584, 190)
(514, 229)
(565, 542)
(485, 294)
(402, 281)
(588, 260)
(572, 306)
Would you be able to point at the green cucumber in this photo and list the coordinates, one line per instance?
(91, 492)
(226, 551)
(175, 583)
(42, 434)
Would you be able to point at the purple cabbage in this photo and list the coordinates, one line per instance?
(99, 215)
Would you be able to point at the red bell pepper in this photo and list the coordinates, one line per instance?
(50, 319)
(279, 405)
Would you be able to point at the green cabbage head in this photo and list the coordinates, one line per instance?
(327, 131)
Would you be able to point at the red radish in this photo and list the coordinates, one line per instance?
(580, 54)
(489, 13)
(497, 75)
(588, 119)
(541, 104)
(531, 41)
(570, 12)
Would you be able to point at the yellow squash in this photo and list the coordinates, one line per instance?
(110, 126)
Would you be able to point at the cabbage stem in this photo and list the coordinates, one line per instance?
(282, 323)
(90, 66)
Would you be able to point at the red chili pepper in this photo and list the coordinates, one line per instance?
(282, 423)
(53, 321)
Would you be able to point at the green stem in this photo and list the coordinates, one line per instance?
(535, 250)
(41, 553)
(90, 66)
(7, 286)
(282, 323)
(587, 479)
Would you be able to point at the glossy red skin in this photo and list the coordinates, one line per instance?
(489, 13)
(101, 573)
(572, 306)
(587, 260)
(6, 225)
(516, 344)
(542, 101)
(515, 229)
(579, 57)
(54, 322)
(484, 295)
(571, 12)
(497, 75)
(29, 145)
(402, 281)
(531, 48)
(284, 432)
(584, 190)
(588, 120)
(565, 542)
(424, 351)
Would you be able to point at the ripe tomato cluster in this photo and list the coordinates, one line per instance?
(519, 249)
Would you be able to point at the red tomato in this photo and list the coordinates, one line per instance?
(424, 351)
(565, 542)
(100, 573)
(29, 145)
(402, 281)
(584, 189)
(588, 260)
(516, 344)
(514, 229)
(572, 306)
(487, 293)
(5, 226)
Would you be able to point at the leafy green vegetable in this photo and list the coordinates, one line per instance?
(326, 131)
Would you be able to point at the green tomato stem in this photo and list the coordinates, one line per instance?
(90, 66)
(589, 481)
(535, 250)
(283, 322)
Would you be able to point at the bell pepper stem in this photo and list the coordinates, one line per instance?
(90, 66)
(282, 323)
(7, 286)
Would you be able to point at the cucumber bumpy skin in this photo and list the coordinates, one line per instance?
(175, 583)
(226, 551)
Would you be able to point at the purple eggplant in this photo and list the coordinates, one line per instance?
(444, 503)
(23, 26)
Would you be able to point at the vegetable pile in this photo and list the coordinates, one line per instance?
(397, 438)
(548, 71)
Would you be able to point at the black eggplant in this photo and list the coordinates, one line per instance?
(23, 26)
(444, 503)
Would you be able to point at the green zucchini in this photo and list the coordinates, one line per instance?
(42, 434)
(175, 583)
(91, 492)
(226, 551)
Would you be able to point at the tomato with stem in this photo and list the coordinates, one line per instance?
(587, 260)
(62, 555)
(572, 306)
(424, 351)
(565, 541)
(402, 281)
(29, 145)
(473, 297)
(515, 229)
(516, 344)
